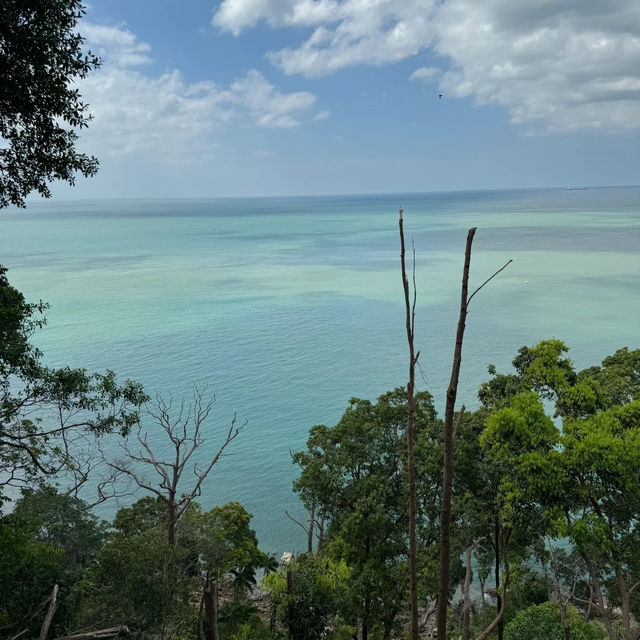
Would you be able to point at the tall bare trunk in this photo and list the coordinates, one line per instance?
(410, 323)
(447, 467)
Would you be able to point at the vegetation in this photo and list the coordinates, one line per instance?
(544, 514)
(41, 56)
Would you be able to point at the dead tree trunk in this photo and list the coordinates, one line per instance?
(410, 312)
(449, 435)
(51, 611)
(447, 467)
(102, 634)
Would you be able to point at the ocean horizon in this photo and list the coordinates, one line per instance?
(286, 307)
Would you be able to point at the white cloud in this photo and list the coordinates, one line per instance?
(556, 65)
(346, 32)
(116, 45)
(163, 116)
(268, 107)
(426, 73)
(322, 115)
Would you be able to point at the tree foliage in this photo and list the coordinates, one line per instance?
(41, 60)
(47, 414)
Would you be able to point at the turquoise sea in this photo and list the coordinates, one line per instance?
(287, 307)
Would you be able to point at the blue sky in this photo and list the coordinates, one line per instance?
(288, 97)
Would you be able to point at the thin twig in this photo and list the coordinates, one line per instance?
(488, 280)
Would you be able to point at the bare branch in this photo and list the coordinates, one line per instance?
(304, 527)
(488, 280)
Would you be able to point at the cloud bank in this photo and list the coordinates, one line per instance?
(165, 117)
(555, 65)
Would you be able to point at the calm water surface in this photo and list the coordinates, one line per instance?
(288, 307)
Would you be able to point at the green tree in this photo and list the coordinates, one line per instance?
(227, 547)
(542, 622)
(49, 538)
(586, 483)
(46, 414)
(28, 571)
(601, 458)
(41, 57)
(308, 594)
(139, 579)
(354, 475)
(61, 521)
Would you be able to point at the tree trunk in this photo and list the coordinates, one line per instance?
(483, 602)
(497, 576)
(447, 467)
(624, 605)
(310, 531)
(413, 561)
(502, 539)
(210, 621)
(599, 598)
(466, 595)
(101, 634)
(171, 522)
(53, 605)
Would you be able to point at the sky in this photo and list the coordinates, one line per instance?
(300, 97)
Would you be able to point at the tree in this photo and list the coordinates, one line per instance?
(308, 595)
(41, 57)
(354, 473)
(586, 484)
(183, 428)
(226, 546)
(49, 539)
(61, 521)
(140, 580)
(410, 321)
(47, 414)
(449, 439)
(542, 622)
(601, 458)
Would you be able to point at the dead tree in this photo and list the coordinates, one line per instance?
(410, 317)
(184, 431)
(102, 634)
(51, 611)
(447, 466)
(315, 525)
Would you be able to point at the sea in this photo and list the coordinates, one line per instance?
(285, 308)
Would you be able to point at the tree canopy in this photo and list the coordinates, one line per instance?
(41, 59)
(47, 413)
